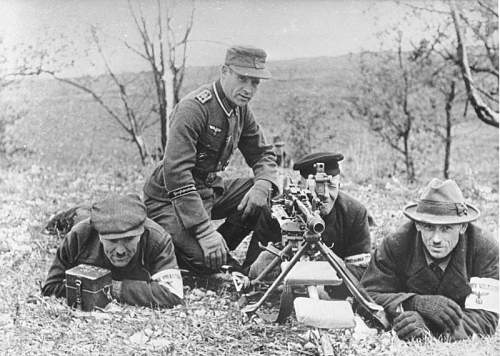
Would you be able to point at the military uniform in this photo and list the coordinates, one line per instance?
(399, 270)
(184, 193)
(147, 280)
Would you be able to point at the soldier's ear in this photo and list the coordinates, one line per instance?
(418, 226)
(463, 227)
(224, 69)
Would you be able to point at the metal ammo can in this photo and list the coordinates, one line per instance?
(88, 287)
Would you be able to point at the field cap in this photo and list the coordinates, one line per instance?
(441, 202)
(118, 216)
(247, 61)
(331, 160)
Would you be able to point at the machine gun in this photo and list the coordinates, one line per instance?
(297, 212)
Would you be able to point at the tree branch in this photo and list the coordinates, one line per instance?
(122, 89)
(94, 95)
(411, 5)
(487, 8)
(490, 54)
(483, 112)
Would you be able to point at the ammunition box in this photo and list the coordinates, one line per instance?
(88, 287)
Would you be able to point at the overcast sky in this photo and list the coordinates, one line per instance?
(285, 28)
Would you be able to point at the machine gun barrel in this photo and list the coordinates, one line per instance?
(313, 221)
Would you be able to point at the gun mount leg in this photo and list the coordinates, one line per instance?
(367, 308)
(252, 308)
(286, 304)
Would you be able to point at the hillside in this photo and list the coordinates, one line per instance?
(64, 126)
(77, 156)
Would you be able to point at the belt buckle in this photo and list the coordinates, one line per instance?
(210, 179)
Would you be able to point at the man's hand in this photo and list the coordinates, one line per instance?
(214, 250)
(441, 310)
(410, 325)
(257, 197)
(116, 289)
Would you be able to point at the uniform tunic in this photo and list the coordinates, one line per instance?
(205, 130)
(150, 279)
(399, 270)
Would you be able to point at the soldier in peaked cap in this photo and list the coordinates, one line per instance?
(421, 274)
(137, 251)
(346, 221)
(185, 192)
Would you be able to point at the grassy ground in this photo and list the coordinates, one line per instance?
(209, 324)
(78, 156)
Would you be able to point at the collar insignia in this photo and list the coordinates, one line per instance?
(204, 96)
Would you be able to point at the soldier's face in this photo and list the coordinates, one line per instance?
(238, 88)
(440, 240)
(120, 251)
(331, 196)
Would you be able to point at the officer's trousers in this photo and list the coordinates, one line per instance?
(222, 205)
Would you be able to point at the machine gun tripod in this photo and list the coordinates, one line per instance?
(301, 228)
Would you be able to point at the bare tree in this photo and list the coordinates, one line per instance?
(391, 95)
(166, 54)
(447, 85)
(129, 114)
(474, 22)
(450, 66)
(132, 109)
(444, 78)
(488, 35)
(450, 98)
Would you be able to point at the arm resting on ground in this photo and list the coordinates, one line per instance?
(154, 294)
(63, 260)
(382, 282)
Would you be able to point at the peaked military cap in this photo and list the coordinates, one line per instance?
(248, 61)
(118, 216)
(331, 160)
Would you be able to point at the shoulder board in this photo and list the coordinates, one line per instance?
(204, 96)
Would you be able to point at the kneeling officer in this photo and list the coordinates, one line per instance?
(137, 251)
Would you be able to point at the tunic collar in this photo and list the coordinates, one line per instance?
(224, 102)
